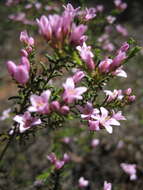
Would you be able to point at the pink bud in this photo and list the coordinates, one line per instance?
(104, 66)
(124, 48)
(93, 125)
(66, 157)
(78, 76)
(55, 106)
(64, 110)
(131, 98)
(100, 8)
(128, 91)
(26, 39)
(77, 33)
(52, 158)
(21, 75)
(25, 62)
(45, 27)
(66, 140)
(24, 53)
(59, 164)
(95, 143)
(29, 49)
(11, 67)
(82, 182)
(118, 60)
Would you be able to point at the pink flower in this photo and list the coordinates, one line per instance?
(103, 38)
(94, 125)
(66, 140)
(118, 116)
(82, 182)
(58, 163)
(5, 114)
(77, 33)
(130, 169)
(69, 9)
(88, 111)
(128, 91)
(26, 39)
(104, 66)
(107, 186)
(19, 72)
(52, 158)
(12, 2)
(38, 5)
(110, 19)
(123, 31)
(71, 93)
(26, 121)
(118, 60)
(86, 55)
(105, 120)
(66, 158)
(95, 143)
(40, 103)
(99, 8)
(87, 14)
(45, 27)
(108, 46)
(18, 16)
(124, 48)
(116, 94)
(120, 72)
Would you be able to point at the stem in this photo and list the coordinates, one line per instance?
(57, 181)
(6, 147)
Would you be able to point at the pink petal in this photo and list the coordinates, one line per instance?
(113, 121)
(80, 90)
(69, 83)
(104, 112)
(34, 99)
(18, 119)
(32, 109)
(108, 128)
(46, 95)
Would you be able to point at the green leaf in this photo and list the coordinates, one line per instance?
(76, 58)
(45, 174)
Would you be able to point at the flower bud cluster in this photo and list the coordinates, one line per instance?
(114, 66)
(122, 96)
(120, 5)
(21, 72)
(56, 162)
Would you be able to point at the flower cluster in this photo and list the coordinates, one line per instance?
(130, 169)
(84, 183)
(58, 163)
(123, 96)
(120, 5)
(21, 72)
(114, 66)
(62, 29)
(43, 100)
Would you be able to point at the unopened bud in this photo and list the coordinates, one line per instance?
(55, 106)
(64, 110)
